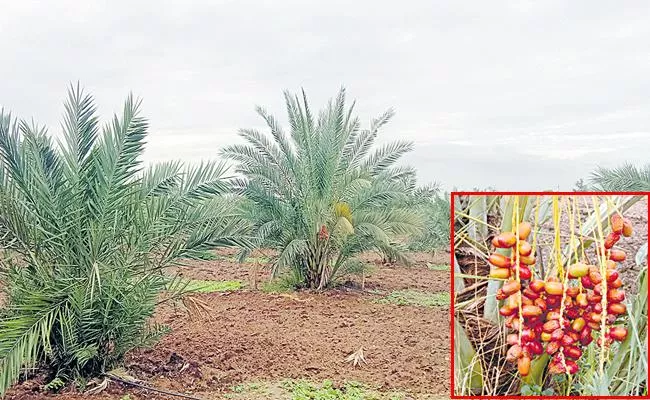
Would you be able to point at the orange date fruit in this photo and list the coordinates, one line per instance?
(531, 311)
(617, 255)
(504, 240)
(537, 285)
(499, 260)
(617, 223)
(554, 288)
(523, 365)
(500, 273)
(611, 240)
(578, 324)
(511, 287)
(514, 353)
(523, 230)
(628, 230)
(616, 308)
(525, 248)
(618, 333)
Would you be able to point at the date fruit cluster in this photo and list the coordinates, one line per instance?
(558, 316)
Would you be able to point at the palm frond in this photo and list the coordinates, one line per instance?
(627, 177)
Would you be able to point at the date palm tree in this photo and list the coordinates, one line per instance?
(627, 177)
(88, 233)
(321, 193)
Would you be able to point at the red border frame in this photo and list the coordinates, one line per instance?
(451, 338)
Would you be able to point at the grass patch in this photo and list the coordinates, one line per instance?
(416, 298)
(248, 260)
(248, 389)
(205, 255)
(206, 286)
(438, 267)
(276, 287)
(303, 390)
(282, 284)
(251, 260)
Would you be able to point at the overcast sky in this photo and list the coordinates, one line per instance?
(510, 94)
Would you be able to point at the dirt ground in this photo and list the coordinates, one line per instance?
(254, 336)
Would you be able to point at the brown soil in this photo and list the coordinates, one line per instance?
(418, 276)
(309, 336)
(254, 336)
(227, 267)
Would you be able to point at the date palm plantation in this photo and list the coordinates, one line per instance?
(321, 193)
(87, 234)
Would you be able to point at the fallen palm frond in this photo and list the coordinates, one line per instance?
(357, 358)
(119, 375)
(98, 386)
(197, 308)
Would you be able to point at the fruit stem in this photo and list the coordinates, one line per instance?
(563, 274)
(515, 225)
(534, 242)
(602, 258)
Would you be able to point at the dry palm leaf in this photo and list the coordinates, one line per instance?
(196, 307)
(98, 388)
(184, 367)
(357, 358)
(120, 375)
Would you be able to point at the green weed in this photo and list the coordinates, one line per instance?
(207, 286)
(259, 260)
(416, 298)
(438, 267)
(252, 387)
(279, 285)
(205, 255)
(303, 390)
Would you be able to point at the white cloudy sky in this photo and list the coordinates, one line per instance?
(511, 94)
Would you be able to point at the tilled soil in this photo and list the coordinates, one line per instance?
(227, 267)
(251, 335)
(258, 336)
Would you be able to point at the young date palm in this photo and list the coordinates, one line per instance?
(87, 234)
(436, 211)
(320, 194)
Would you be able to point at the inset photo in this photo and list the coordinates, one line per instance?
(550, 294)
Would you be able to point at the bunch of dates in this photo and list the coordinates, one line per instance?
(558, 316)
